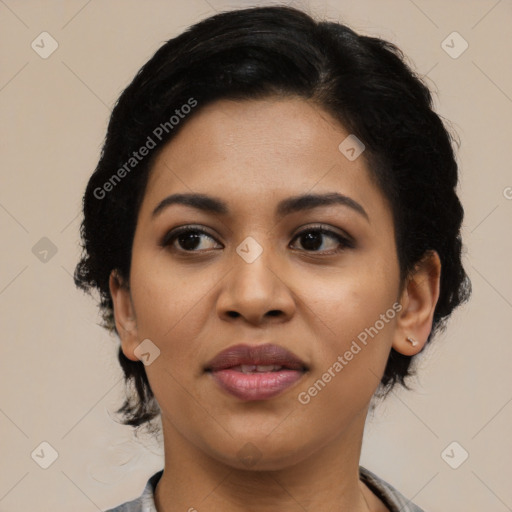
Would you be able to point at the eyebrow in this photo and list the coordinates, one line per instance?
(285, 207)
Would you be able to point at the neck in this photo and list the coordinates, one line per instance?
(325, 478)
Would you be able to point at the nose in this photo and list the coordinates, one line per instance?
(256, 292)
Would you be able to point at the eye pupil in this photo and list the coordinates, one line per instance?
(312, 240)
(186, 238)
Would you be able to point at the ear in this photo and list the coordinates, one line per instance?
(418, 299)
(124, 315)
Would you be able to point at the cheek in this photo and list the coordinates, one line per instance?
(349, 299)
(354, 322)
(172, 306)
(350, 356)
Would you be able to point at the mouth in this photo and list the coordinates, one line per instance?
(256, 372)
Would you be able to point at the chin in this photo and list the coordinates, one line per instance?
(261, 453)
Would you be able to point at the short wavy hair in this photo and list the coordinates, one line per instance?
(363, 82)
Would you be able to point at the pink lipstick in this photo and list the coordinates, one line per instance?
(256, 372)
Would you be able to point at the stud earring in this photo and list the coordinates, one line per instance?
(412, 341)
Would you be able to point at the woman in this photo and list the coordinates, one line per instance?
(274, 232)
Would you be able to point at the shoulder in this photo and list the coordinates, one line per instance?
(145, 502)
(392, 498)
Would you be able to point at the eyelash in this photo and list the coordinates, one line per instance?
(345, 242)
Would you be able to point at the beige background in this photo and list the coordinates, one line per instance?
(60, 380)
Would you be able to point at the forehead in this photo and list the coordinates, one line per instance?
(252, 151)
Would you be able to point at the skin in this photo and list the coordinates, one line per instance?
(252, 154)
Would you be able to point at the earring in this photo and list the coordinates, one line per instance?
(412, 341)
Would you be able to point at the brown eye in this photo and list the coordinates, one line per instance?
(313, 238)
(188, 239)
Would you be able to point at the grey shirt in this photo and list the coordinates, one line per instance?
(393, 499)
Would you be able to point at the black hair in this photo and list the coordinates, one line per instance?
(363, 82)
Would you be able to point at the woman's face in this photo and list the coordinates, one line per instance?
(253, 279)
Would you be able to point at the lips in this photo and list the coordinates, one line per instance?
(259, 355)
(255, 373)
